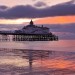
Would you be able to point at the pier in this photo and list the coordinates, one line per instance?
(27, 37)
(30, 32)
(34, 37)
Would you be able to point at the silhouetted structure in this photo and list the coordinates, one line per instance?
(34, 33)
(31, 32)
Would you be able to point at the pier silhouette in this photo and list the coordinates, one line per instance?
(30, 32)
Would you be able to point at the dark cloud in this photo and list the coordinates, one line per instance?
(62, 28)
(19, 12)
(3, 7)
(32, 12)
(65, 31)
(40, 4)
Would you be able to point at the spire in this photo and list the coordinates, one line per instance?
(31, 22)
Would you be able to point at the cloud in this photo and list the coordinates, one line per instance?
(8, 27)
(62, 27)
(65, 31)
(40, 4)
(3, 7)
(65, 35)
(19, 12)
(28, 11)
(34, 0)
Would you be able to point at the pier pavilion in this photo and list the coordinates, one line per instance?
(31, 32)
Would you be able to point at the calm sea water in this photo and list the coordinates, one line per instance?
(61, 45)
(37, 58)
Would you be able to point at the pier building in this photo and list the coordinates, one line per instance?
(32, 32)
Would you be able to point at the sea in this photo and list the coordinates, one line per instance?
(37, 57)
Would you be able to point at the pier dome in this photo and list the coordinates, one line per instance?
(31, 22)
(33, 29)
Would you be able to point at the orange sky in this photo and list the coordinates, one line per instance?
(56, 20)
(47, 20)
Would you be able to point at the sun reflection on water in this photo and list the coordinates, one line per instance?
(40, 62)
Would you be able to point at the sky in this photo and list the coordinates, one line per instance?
(59, 13)
(18, 11)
